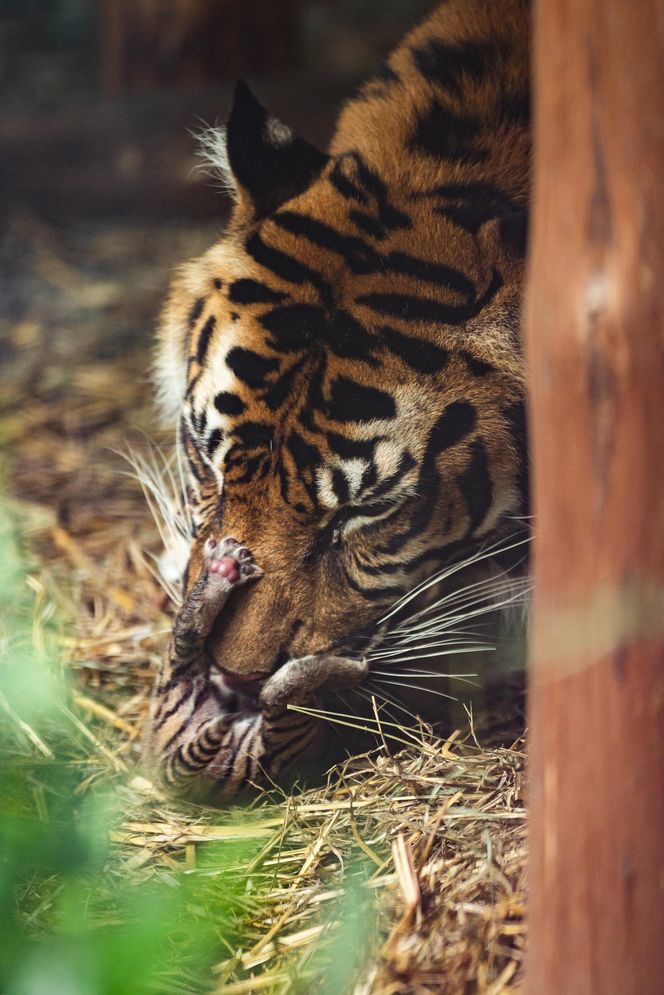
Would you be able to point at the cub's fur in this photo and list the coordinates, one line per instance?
(345, 370)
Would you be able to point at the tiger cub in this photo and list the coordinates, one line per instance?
(345, 370)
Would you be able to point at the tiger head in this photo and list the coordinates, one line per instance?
(345, 367)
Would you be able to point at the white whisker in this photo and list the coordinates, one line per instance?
(464, 596)
(408, 674)
(431, 651)
(407, 646)
(388, 699)
(483, 554)
(416, 687)
(165, 497)
(443, 622)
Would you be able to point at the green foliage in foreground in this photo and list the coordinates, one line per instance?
(69, 923)
(73, 919)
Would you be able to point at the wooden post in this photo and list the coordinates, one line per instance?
(595, 334)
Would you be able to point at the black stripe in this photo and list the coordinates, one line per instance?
(277, 393)
(204, 339)
(252, 292)
(406, 463)
(294, 746)
(194, 470)
(294, 327)
(428, 488)
(305, 456)
(182, 760)
(315, 401)
(340, 485)
(378, 85)
(369, 179)
(446, 65)
(388, 216)
(214, 438)
(420, 355)
(370, 226)
(353, 448)
(446, 135)
(384, 568)
(455, 423)
(476, 486)
(229, 404)
(247, 771)
(285, 267)
(250, 367)
(257, 466)
(202, 754)
(385, 74)
(478, 367)
(162, 718)
(343, 184)
(348, 338)
(284, 486)
(285, 723)
(254, 435)
(428, 272)
(346, 516)
(373, 509)
(369, 477)
(353, 402)
(410, 308)
(199, 422)
(298, 327)
(196, 311)
(359, 256)
(192, 383)
(475, 203)
(389, 591)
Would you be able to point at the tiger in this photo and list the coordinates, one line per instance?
(344, 374)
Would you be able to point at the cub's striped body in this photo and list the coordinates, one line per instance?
(346, 373)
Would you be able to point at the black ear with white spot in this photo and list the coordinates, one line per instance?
(260, 159)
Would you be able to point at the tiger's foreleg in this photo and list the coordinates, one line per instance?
(286, 733)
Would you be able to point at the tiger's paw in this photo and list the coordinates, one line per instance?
(229, 564)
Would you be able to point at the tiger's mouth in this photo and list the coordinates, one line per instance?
(248, 685)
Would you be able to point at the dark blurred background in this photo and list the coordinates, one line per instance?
(100, 194)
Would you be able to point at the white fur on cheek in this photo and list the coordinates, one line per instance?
(170, 371)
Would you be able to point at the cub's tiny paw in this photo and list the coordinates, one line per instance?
(229, 563)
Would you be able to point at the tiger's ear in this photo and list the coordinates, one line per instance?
(260, 161)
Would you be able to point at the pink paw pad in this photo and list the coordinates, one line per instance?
(226, 567)
(231, 561)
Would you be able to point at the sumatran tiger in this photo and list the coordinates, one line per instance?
(345, 370)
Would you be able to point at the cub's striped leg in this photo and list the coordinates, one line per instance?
(229, 752)
(186, 696)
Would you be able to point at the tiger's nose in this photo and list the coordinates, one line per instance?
(251, 632)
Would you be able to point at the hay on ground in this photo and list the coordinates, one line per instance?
(428, 844)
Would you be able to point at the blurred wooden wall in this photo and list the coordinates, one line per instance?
(149, 43)
(595, 323)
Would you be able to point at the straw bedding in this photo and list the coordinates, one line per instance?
(405, 871)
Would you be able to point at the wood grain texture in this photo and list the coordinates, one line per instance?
(595, 336)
